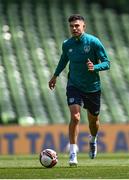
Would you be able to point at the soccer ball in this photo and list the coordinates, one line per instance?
(48, 158)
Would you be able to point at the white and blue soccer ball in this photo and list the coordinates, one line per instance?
(48, 158)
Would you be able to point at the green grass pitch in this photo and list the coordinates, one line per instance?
(105, 166)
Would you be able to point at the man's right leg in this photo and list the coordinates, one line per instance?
(73, 132)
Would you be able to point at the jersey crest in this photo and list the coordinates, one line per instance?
(87, 48)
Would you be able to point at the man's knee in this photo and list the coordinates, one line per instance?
(93, 118)
(75, 117)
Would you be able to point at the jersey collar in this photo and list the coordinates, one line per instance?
(80, 38)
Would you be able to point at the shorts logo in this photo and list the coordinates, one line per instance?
(71, 100)
(86, 49)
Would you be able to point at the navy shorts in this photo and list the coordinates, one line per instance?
(89, 101)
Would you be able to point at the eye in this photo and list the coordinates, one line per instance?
(74, 26)
(77, 25)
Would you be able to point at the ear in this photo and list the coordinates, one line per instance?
(84, 26)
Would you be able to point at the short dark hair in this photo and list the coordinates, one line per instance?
(75, 17)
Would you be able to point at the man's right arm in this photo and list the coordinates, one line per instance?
(62, 62)
(52, 82)
(61, 65)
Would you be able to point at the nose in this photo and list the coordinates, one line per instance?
(74, 27)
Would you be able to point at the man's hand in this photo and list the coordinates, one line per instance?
(52, 83)
(90, 65)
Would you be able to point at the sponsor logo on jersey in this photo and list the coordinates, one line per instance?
(70, 50)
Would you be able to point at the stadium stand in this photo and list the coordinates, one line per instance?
(31, 35)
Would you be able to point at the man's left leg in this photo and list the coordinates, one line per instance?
(94, 127)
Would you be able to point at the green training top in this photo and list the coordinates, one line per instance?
(77, 51)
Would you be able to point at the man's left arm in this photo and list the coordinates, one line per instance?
(101, 56)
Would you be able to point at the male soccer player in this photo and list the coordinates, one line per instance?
(86, 56)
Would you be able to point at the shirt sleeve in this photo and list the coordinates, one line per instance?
(101, 56)
(62, 62)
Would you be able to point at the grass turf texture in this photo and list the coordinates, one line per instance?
(105, 166)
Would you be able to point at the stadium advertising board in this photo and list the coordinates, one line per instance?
(30, 140)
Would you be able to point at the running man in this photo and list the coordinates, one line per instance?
(86, 56)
